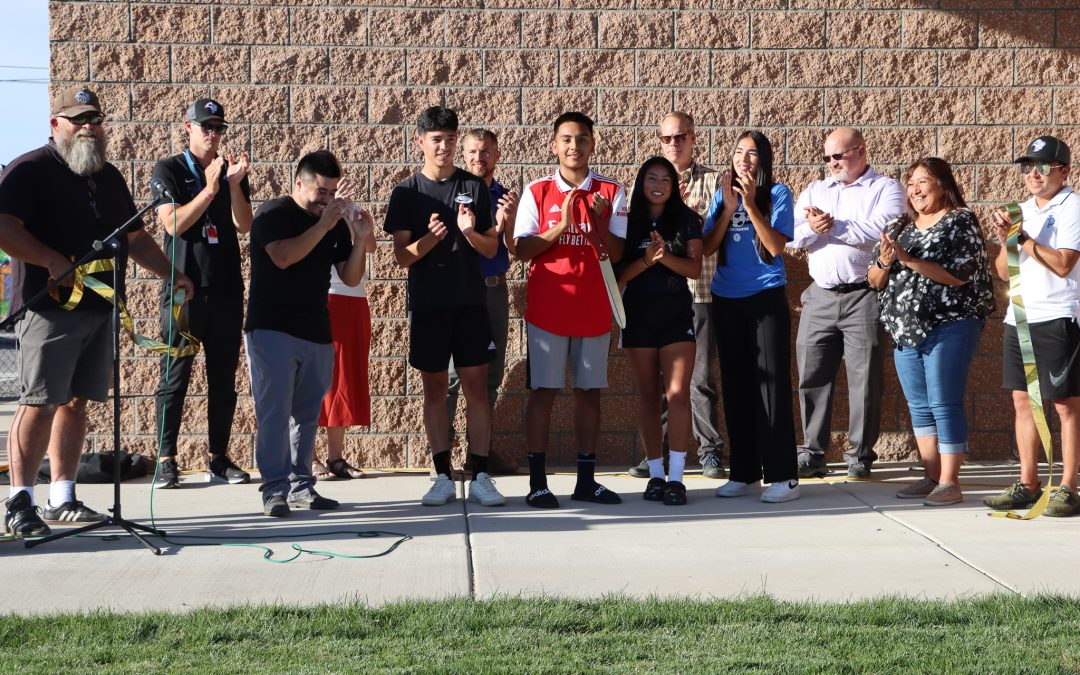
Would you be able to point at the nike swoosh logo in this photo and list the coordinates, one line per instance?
(792, 484)
(1056, 380)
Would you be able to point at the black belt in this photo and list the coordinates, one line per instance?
(850, 288)
(495, 280)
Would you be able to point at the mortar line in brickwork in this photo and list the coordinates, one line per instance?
(932, 539)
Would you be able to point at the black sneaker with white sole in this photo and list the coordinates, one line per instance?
(312, 500)
(168, 475)
(22, 519)
(72, 512)
(224, 471)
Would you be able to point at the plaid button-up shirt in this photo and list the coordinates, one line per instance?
(701, 184)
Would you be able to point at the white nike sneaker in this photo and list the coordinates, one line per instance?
(734, 488)
(442, 490)
(482, 491)
(781, 491)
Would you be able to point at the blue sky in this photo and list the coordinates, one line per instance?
(24, 42)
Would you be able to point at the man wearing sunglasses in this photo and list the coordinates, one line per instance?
(212, 207)
(697, 184)
(838, 220)
(55, 202)
(1049, 242)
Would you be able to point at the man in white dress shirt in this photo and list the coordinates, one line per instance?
(838, 220)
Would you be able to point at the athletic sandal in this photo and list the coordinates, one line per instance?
(342, 469)
(595, 493)
(542, 499)
(319, 470)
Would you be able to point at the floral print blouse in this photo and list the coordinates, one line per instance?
(912, 305)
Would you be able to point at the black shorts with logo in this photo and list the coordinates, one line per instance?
(1056, 344)
(657, 321)
(437, 334)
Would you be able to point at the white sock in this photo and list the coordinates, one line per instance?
(28, 490)
(61, 491)
(656, 467)
(676, 464)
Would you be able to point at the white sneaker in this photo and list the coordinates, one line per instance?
(482, 491)
(442, 490)
(781, 491)
(734, 488)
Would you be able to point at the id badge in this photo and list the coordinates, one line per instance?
(210, 233)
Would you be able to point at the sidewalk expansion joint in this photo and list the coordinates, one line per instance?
(933, 540)
(470, 563)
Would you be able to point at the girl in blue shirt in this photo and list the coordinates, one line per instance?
(749, 223)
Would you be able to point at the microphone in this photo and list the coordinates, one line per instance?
(158, 191)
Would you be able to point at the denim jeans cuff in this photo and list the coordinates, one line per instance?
(920, 432)
(953, 448)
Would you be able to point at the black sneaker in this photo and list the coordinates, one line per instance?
(812, 467)
(711, 466)
(22, 519)
(312, 500)
(542, 499)
(72, 512)
(168, 475)
(858, 470)
(654, 491)
(674, 493)
(224, 471)
(595, 493)
(276, 507)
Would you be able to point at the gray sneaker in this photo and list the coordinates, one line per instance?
(944, 495)
(812, 466)
(711, 466)
(858, 470)
(917, 491)
(1063, 502)
(1016, 496)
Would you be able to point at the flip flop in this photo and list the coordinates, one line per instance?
(342, 469)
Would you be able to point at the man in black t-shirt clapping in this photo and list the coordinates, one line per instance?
(440, 218)
(212, 206)
(294, 241)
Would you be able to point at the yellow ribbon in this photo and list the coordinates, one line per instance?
(82, 280)
(1027, 351)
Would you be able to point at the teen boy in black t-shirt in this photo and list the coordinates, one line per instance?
(212, 206)
(440, 218)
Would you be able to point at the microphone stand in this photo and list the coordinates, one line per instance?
(111, 243)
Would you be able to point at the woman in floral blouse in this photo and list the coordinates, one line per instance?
(933, 281)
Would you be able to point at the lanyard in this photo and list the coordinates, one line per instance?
(194, 171)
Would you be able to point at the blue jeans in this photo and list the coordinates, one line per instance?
(934, 377)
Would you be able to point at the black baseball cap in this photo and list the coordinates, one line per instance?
(1046, 149)
(204, 110)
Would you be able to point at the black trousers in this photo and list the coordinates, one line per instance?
(753, 338)
(217, 321)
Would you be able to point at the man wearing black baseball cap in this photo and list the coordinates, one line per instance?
(55, 202)
(1049, 244)
(212, 206)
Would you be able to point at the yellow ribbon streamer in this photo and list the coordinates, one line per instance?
(83, 280)
(1027, 351)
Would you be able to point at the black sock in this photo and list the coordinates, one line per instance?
(441, 460)
(479, 463)
(586, 462)
(537, 471)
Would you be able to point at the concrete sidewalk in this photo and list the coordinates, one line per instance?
(844, 540)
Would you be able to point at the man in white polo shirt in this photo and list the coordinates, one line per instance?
(1049, 242)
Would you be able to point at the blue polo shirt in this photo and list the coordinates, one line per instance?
(493, 267)
(744, 272)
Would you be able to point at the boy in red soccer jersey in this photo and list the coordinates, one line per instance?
(568, 312)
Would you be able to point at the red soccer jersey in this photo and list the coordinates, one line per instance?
(566, 294)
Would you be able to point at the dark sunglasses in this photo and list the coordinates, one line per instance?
(837, 156)
(1043, 167)
(93, 119)
(214, 128)
(675, 138)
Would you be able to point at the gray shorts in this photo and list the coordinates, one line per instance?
(63, 355)
(548, 355)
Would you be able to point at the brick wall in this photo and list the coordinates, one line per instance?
(969, 80)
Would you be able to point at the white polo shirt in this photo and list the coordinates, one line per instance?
(1057, 225)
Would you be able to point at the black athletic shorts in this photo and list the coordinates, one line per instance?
(1055, 343)
(658, 321)
(437, 334)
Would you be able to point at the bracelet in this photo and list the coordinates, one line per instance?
(646, 263)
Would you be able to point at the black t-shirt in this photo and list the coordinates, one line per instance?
(66, 212)
(292, 300)
(658, 280)
(449, 275)
(208, 252)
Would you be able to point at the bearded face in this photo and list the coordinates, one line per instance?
(82, 147)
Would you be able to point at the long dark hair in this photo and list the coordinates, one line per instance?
(763, 192)
(670, 224)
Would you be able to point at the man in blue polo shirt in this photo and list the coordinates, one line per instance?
(480, 152)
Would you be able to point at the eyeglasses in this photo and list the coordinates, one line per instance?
(93, 119)
(674, 138)
(837, 156)
(1043, 168)
(212, 129)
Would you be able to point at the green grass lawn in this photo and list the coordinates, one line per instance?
(990, 635)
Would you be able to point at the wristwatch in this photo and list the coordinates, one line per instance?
(877, 263)
(1021, 238)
